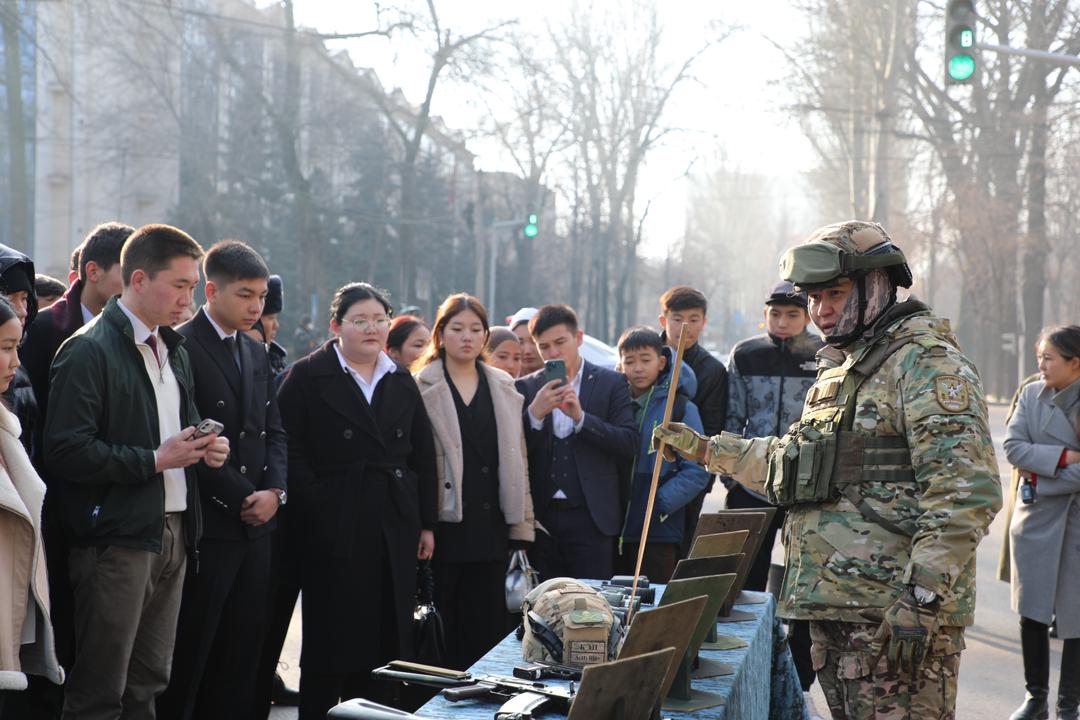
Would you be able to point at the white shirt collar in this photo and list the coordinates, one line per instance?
(138, 327)
(221, 333)
(87, 316)
(383, 367)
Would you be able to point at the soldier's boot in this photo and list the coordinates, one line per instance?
(1035, 644)
(1068, 699)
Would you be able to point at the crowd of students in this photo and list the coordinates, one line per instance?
(162, 555)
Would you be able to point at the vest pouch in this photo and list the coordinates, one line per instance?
(816, 460)
(585, 636)
(783, 471)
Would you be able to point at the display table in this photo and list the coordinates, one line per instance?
(764, 686)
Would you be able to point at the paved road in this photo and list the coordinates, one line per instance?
(991, 675)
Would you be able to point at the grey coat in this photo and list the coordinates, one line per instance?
(1044, 537)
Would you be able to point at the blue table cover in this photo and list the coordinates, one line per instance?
(765, 685)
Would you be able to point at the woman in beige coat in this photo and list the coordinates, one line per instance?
(485, 507)
(26, 635)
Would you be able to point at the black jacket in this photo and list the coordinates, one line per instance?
(20, 394)
(607, 436)
(44, 336)
(711, 397)
(101, 431)
(362, 485)
(247, 405)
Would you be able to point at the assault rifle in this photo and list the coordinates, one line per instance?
(522, 697)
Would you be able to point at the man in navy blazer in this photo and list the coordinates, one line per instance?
(576, 435)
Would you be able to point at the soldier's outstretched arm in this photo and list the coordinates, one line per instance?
(952, 454)
(746, 460)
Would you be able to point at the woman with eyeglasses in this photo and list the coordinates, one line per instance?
(362, 475)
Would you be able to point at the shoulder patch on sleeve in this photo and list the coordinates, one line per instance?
(953, 393)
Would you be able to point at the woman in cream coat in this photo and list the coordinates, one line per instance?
(26, 635)
(484, 501)
(1044, 535)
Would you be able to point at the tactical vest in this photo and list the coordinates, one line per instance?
(821, 458)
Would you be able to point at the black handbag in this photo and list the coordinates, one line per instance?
(429, 638)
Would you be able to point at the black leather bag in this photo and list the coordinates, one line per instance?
(429, 639)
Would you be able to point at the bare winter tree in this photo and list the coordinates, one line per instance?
(449, 54)
(534, 132)
(848, 73)
(617, 87)
(991, 144)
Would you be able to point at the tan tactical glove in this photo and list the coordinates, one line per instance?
(724, 451)
(907, 629)
(679, 438)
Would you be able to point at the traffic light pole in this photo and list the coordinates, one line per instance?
(493, 258)
(1059, 58)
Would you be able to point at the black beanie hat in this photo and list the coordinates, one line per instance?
(275, 296)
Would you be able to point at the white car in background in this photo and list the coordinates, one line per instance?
(595, 351)
(599, 353)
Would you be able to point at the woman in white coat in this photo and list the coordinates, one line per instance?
(485, 508)
(26, 635)
(1044, 532)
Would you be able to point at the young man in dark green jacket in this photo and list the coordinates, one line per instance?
(120, 440)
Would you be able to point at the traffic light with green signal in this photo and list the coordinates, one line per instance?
(959, 42)
(531, 228)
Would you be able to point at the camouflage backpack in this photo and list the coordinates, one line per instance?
(567, 622)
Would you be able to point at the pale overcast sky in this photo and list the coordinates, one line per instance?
(736, 110)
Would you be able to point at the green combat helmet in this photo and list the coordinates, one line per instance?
(845, 250)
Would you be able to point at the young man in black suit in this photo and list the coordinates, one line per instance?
(576, 434)
(224, 608)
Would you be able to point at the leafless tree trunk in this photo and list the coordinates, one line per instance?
(18, 177)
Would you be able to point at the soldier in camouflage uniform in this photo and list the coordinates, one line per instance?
(889, 478)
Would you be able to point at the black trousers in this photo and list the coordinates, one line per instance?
(693, 512)
(284, 590)
(575, 547)
(471, 598)
(321, 691)
(220, 632)
(657, 565)
(739, 499)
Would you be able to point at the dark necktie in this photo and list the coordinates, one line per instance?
(234, 351)
(152, 342)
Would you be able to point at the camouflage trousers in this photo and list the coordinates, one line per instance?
(858, 690)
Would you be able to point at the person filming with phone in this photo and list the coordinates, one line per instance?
(579, 424)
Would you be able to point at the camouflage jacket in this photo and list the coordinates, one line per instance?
(838, 560)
